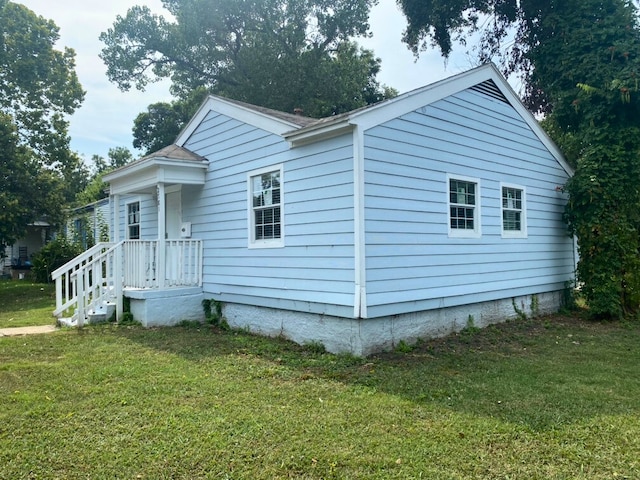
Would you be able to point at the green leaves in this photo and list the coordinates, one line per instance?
(38, 84)
(274, 53)
(38, 90)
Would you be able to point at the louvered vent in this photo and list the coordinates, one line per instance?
(490, 89)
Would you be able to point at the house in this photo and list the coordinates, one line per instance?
(411, 218)
(89, 224)
(16, 262)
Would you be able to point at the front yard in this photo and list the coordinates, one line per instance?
(554, 398)
(24, 304)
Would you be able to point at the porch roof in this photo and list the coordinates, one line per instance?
(172, 165)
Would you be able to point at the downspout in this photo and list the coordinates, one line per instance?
(360, 294)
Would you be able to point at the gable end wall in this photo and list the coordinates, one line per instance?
(411, 262)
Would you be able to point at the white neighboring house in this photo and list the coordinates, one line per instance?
(18, 257)
(405, 219)
(89, 223)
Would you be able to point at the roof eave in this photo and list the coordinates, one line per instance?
(319, 132)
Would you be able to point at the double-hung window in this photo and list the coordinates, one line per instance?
(464, 206)
(514, 220)
(133, 221)
(265, 208)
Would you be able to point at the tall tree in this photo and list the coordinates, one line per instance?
(162, 122)
(27, 191)
(579, 61)
(96, 188)
(282, 54)
(38, 84)
(38, 90)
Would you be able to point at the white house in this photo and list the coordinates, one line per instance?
(409, 218)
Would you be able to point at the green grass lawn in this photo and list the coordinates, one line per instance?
(555, 398)
(23, 303)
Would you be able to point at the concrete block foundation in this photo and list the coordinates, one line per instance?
(364, 337)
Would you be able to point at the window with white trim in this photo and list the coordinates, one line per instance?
(265, 208)
(464, 206)
(133, 221)
(513, 203)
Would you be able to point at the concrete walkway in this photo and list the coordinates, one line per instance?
(14, 331)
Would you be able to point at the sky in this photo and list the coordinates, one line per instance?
(105, 119)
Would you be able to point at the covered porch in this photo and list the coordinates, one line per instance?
(151, 258)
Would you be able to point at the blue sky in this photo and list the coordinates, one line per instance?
(106, 117)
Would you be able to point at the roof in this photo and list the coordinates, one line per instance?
(300, 130)
(300, 120)
(171, 154)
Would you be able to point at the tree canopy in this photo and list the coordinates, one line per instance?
(27, 191)
(96, 188)
(38, 84)
(38, 90)
(530, 38)
(281, 54)
(162, 122)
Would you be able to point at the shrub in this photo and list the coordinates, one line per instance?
(52, 256)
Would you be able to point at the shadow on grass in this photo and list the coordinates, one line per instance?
(541, 374)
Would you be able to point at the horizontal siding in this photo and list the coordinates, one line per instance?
(410, 260)
(148, 217)
(316, 266)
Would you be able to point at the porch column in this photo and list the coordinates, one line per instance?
(162, 250)
(114, 237)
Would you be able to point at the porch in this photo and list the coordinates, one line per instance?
(91, 287)
(151, 248)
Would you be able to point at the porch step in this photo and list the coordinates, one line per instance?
(100, 314)
(67, 322)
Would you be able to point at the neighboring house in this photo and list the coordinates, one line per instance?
(89, 224)
(18, 257)
(410, 218)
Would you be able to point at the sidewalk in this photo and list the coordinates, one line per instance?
(12, 332)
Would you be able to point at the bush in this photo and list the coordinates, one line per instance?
(52, 256)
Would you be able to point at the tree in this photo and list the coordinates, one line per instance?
(96, 188)
(274, 53)
(522, 36)
(38, 90)
(162, 122)
(38, 84)
(27, 191)
(580, 65)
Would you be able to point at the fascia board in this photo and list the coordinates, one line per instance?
(533, 123)
(243, 114)
(321, 132)
(136, 167)
(410, 101)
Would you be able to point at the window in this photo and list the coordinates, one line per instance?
(513, 211)
(464, 207)
(133, 221)
(265, 210)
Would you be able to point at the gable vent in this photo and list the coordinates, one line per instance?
(490, 89)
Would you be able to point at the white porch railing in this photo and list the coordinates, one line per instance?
(90, 281)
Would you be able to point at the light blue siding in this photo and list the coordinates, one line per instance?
(314, 271)
(148, 217)
(411, 263)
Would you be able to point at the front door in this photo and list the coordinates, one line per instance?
(173, 217)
